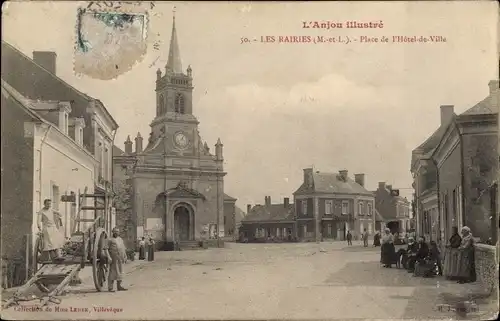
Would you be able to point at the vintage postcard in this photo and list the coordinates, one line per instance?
(250, 160)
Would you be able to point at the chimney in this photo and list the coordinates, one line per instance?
(494, 94)
(46, 59)
(360, 179)
(343, 174)
(308, 177)
(138, 143)
(286, 202)
(249, 207)
(494, 85)
(128, 146)
(381, 185)
(446, 114)
(268, 200)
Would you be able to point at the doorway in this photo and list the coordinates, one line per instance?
(182, 224)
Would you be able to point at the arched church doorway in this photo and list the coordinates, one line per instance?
(182, 223)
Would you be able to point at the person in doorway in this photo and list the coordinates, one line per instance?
(349, 238)
(365, 238)
(117, 255)
(142, 249)
(151, 249)
(49, 222)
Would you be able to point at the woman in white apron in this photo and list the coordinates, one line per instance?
(48, 226)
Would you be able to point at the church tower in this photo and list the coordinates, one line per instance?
(174, 90)
(178, 182)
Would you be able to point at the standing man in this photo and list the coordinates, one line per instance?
(116, 257)
(365, 238)
(349, 238)
(49, 222)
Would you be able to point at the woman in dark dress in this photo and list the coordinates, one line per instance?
(142, 249)
(376, 239)
(151, 249)
(451, 255)
(433, 261)
(387, 250)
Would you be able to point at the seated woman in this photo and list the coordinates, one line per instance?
(409, 252)
(418, 256)
(451, 255)
(432, 262)
(387, 251)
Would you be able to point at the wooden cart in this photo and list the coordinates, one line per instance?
(88, 248)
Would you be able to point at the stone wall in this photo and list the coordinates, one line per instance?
(486, 261)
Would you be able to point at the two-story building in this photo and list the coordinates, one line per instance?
(327, 205)
(394, 209)
(425, 180)
(43, 157)
(466, 159)
(36, 80)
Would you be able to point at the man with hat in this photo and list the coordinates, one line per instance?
(116, 257)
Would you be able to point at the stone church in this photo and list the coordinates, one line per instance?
(177, 183)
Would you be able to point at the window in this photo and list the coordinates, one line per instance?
(361, 208)
(304, 207)
(369, 228)
(361, 227)
(179, 104)
(345, 207)
(55, 197)
(329, 207)
(369, 206)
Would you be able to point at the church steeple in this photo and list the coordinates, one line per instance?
(174, 63)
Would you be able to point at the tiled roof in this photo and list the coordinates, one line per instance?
(19, 71)
(332, 183)
(228, 198)
(481, 108)
(274, 212)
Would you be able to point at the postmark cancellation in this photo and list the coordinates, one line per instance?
(109, 42)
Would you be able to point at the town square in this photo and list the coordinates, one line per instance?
(155, 168)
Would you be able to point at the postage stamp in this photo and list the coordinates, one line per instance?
(109, 42)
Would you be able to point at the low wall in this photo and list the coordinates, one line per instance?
(486, 261)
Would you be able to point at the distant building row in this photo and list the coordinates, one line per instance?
(455, 172)
(326, 206)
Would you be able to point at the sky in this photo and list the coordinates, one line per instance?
(281, 107)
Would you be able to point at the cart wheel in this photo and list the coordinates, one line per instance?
(99, 260)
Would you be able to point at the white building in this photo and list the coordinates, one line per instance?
(61, 165)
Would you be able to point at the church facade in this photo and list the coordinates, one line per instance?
(176, 182)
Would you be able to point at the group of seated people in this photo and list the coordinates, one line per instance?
(424, 259)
